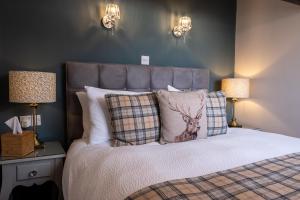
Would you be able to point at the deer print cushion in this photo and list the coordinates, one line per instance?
(134, 119)
(215, 112)
(182, 115)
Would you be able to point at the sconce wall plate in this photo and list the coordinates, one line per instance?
(112, 15)
(184, 26)
(177, 31)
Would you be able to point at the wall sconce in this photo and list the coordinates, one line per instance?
(184, 25)
(112, 15)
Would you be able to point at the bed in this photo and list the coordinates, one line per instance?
(155, 171)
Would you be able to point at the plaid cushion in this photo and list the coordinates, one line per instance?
(216, 114)
(134, 118)
(272, 179)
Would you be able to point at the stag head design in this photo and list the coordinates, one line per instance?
(192, 123)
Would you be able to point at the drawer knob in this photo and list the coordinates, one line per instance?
(32, 173)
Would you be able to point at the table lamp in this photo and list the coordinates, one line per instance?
(32, 88)
(235, 88)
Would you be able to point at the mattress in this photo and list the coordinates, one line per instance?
(113, 173)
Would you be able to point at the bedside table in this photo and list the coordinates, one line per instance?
(248, 127)
(35, 168)
(253, 128)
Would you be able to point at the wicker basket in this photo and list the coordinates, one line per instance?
(17, 145)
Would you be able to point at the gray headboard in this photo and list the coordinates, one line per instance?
(123, 77)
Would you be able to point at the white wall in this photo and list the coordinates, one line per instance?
(268, 51)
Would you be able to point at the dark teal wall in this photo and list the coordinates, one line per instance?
(43, 34)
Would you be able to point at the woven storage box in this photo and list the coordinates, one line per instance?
(17, 145)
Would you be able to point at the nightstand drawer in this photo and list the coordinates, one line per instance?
(34, 170)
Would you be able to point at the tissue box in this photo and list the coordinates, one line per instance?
(17, 145)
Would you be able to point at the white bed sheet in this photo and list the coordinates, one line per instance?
(101, 172)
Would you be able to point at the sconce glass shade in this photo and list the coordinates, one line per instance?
(185, 23)
(112, 14)
(177, 31)
(113, 11)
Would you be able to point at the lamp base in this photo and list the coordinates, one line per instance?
(37, 143)
(234, 124)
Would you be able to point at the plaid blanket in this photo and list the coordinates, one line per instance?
(277, 178)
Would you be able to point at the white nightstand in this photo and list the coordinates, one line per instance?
(35, 168)
(253, 128)
(248, 127)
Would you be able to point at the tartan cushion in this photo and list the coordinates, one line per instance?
(216, 114)
(134, 118)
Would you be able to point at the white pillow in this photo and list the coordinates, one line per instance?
(100, 127)
(86, 122)
(172, 89)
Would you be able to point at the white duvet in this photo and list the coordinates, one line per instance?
(101, 172)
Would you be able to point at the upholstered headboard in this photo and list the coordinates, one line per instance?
(123, 77)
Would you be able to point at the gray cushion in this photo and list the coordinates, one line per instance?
(183, 78)
(161, 77)
(112, 76)
(138, 77)
(86, 74)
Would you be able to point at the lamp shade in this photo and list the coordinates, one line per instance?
(32, 87)
(236, 87)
